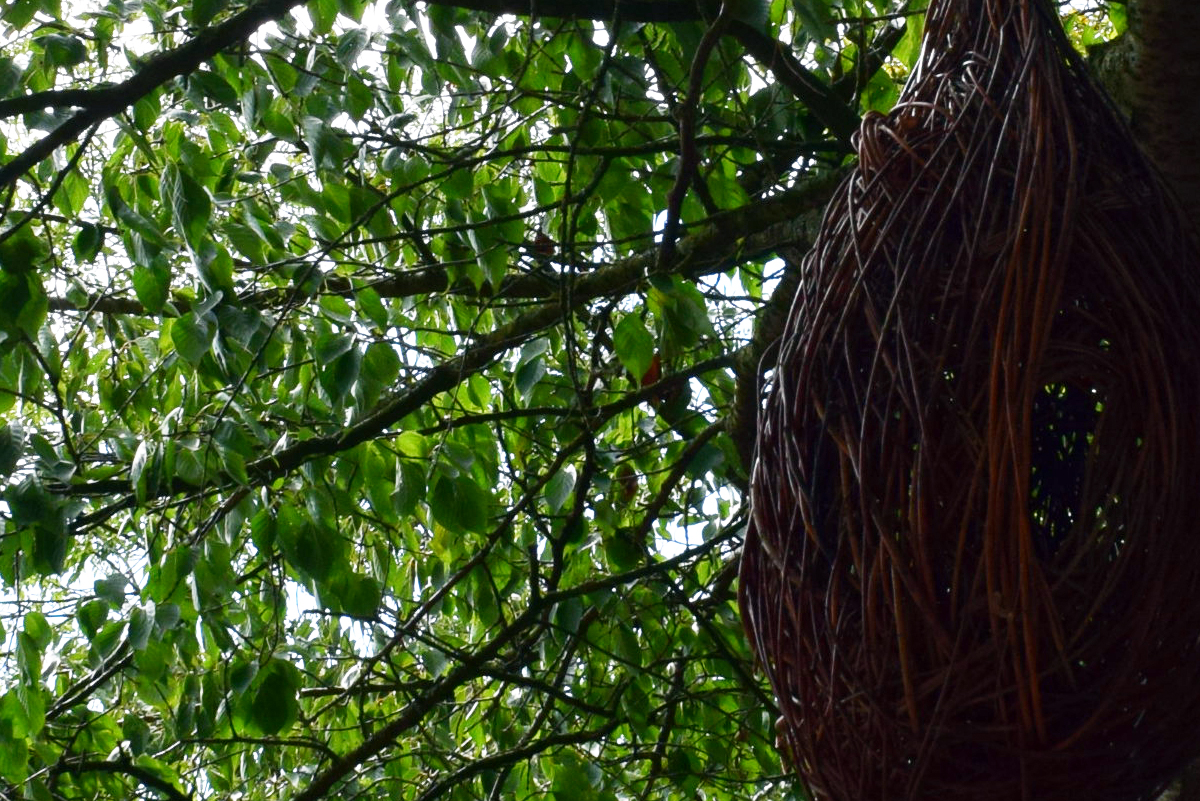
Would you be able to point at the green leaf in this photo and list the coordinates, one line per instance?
(189, 203)
(141, 625)
(29, 502)
(12, 445)
(167, 616)
(909, 47)
(111, 589)
(87, 242)
(316, 552)
(274, 707)
(50, 545)
(337, 377)
(350, 45)
(568, 614)
(18, 13)
(247, 241)
(213, 87)
(234, 464)
(626, 645)
(92, 615)
(14, 757)
(815, 16)
(32, 701)
(23, 303)
(192, 337)
(353, 594)
(459, 504)
(623, 550)
(381, 363)
(684, 315)
(484, 603)
(528, 375)
(410, 488)
(205, 11)
(370, 304)
(23, 251)
(241, 674)
(137, 733)
(215, 267)
(38, 629)
(62, 50)
(634, 345)
(139, 224)
(143, 469)
(323, 14)
(10, 75)
(325, 146)
(558, 489)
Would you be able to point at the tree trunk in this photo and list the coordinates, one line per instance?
(1166, 104)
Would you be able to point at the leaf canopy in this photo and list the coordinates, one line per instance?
(377, 383)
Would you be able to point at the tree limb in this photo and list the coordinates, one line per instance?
(97, 105)
(823, 101)
(123, 766)
(820, 99)
(511, 757)
(737, 233)
(599, 10)
(723, 234)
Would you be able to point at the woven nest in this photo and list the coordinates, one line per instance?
(972, 570)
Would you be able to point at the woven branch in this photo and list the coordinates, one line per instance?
(972, 567)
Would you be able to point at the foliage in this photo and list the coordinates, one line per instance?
(375, 384)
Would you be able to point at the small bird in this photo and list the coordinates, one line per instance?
(543, 247)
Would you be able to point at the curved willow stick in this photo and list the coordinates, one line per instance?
(972, 559)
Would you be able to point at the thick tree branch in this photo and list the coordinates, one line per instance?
(512, 756)
(98, 105)
(122, 766)
(416, 710)
(599, 10)
(54, 98)
(722, 235)
(689, 154)
(742, 233)
(869, 62)
(822, 100)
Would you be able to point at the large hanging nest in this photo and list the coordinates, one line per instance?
(972, 570)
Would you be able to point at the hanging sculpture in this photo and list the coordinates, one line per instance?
(973, 564)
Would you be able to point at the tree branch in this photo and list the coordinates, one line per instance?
(823, 101)
(723, 234)
(709, 248)
(416, 710)
(820, 99)
(98, 105)
(869, 61)
(598, 10)
(511, 757)
(122, 766)
(689, 155)
(54, 98)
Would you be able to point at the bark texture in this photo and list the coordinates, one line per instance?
(1166, 92)
(1165, 101)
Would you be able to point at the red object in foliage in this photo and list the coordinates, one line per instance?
(653, 372)
(543, 246)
